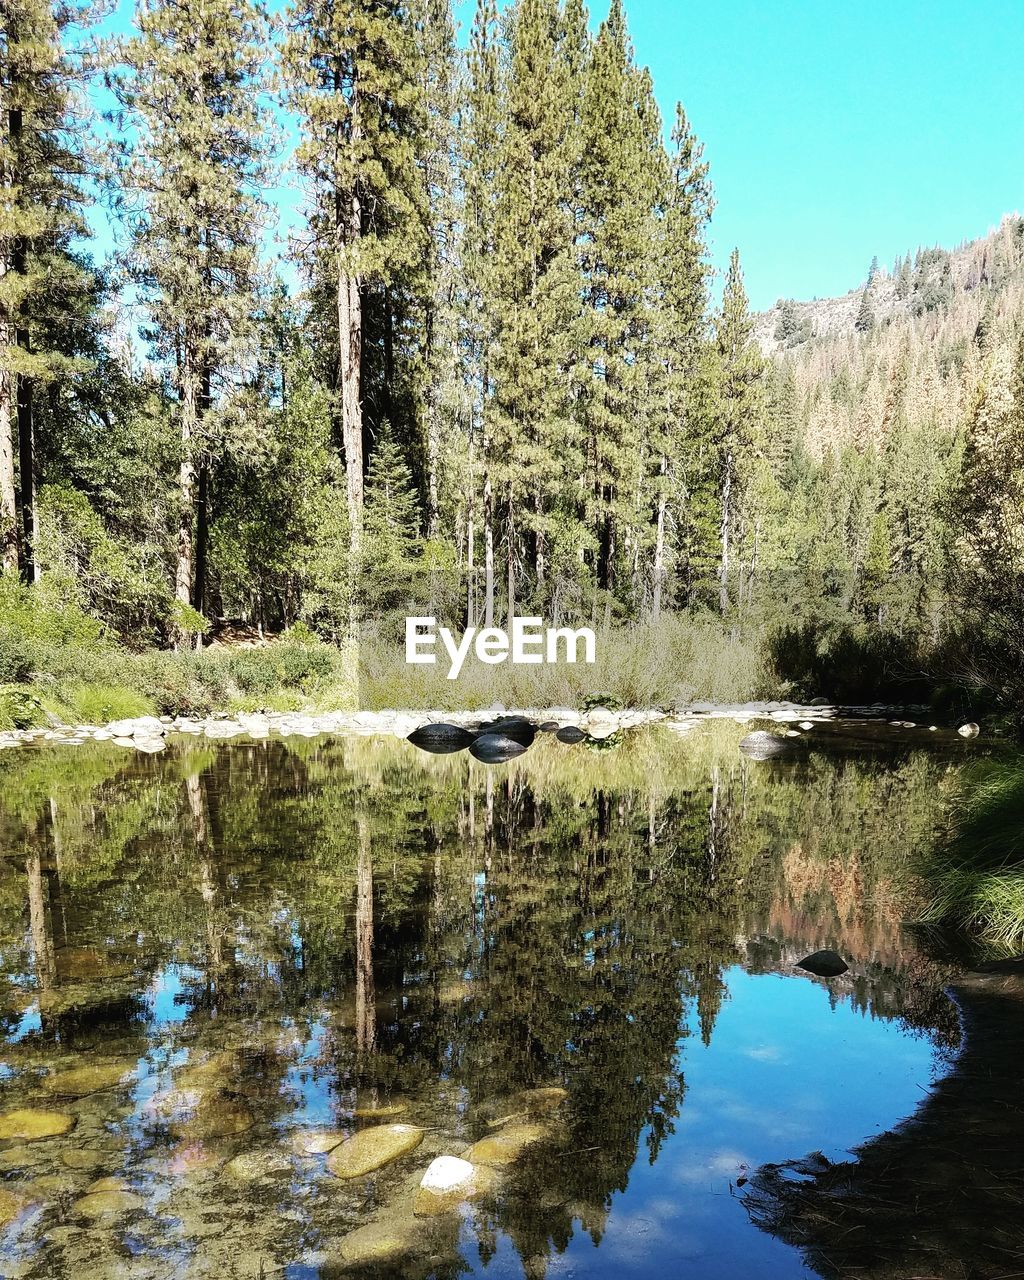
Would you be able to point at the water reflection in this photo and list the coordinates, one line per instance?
(260, 950)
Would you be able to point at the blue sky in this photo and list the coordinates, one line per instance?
(835, 131)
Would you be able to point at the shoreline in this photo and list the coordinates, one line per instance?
(149, 733)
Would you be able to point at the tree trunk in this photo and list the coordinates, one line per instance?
(8, 499)
(186, 481)
(488, 539)
(511, 581)
(366, 1016)
(723, 571)
(471, 540)
(23, 393)
(659, 548)
(350, 343)
(202, 505)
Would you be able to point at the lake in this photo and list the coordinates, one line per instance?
(222, 962)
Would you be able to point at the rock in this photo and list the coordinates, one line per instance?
(570, 733)
(107, 1184)
(120, 741)
(386, 1111)
(11, 1204)
(496, 748)
(599, 732)
(107, 1204)
(150, 746)
(316, 1142)
(81, 1158)
(969, 730)
(762, 745)
(381, 1241)
(222, 729)
(80, 1081)
(548, 726)
(215, 1116)
(518, 728)
(31, 1124)
(819, 702)
(251, 1166)
(373, 1148)
(505, 1146)
(806, 725)
(441, 739)
(445, 1174)
(824, 964)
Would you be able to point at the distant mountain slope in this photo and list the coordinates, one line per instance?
(929, 283)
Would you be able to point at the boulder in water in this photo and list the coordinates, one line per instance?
(440, 739)
(518, 728)
(108, 1204)
(763, 745)
(824, 964)
(80, 1081)
(570, 733)
(969, 730)
(505, 1146)
(251, 1166)
(317, 1142)
(30, 1124)
(383, 1241)
(496, 748)
(373, 1148)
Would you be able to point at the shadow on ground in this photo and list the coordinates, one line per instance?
(942, 1195)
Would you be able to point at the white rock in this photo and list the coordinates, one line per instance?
(446, 1174)
(805, 725)
(120, 741)
(149, 745)
(969, 730)
(223, 729)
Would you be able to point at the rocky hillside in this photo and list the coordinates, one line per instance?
(929, 281)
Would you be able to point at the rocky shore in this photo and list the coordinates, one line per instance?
(150, 734)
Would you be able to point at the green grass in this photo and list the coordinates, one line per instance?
(678, 659)
(976, 879)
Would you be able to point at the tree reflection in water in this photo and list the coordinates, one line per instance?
(275, 936)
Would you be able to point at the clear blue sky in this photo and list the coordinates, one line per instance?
(835, 130)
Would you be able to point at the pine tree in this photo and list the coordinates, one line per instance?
(536, 286)
(196, 161)
(865, 320)
(42, 164)
(481, 130)
(681, 421)
(352, 73)
(623, 174)
(741, 372)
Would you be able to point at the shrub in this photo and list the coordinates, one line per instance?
(99, 703)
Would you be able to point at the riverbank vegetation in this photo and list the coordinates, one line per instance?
(491, 370)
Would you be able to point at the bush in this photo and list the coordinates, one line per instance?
(305, 667)
(99, 703)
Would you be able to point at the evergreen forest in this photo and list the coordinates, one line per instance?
(491, 369)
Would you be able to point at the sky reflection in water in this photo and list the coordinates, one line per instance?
(271, 938)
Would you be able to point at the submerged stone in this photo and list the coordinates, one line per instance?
(108, 1204)
(79, 1081)
(112, 1183)
(30, 1124)
(570, 733)
(824, 964)
(450, 1182)
(447, 1173)
(216, 1116)
(496, 748)
(82, 1158)
(372, 1149)
(969, 730)
(441, 739)
(505, 1146)
(11, 1205)
(380, 1241)
(250, 1166)
(317, 1142)
(386, 1111)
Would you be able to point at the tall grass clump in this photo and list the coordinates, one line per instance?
(676, 660)
(976, 878)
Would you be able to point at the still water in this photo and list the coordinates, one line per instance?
(219, 962)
